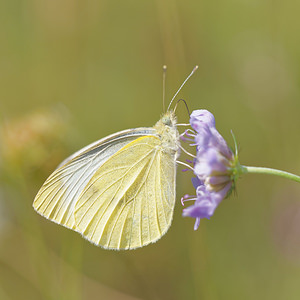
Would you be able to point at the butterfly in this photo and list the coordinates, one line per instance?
(118, 192)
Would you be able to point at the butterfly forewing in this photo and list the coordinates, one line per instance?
(57, 197)
(130, 199)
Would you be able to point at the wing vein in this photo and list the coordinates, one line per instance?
(122, 196)
(161, 190)
(145, 178)
(96, 198)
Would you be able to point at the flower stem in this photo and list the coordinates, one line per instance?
(261, 170)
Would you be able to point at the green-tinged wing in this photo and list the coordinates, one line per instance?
(57, 197)
(129, 201)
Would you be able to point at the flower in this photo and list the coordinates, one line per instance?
(204, 206)
(215, 166)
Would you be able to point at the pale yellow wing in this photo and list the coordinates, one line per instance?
(57, 197)
(129, 201)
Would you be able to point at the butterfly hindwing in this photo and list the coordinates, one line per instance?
(129, 201)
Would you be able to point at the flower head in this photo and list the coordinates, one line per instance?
(215, 166)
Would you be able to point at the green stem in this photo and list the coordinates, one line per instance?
(261, 170)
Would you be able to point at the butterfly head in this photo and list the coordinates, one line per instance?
(169, 119)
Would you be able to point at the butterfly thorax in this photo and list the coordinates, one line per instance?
(167, 131)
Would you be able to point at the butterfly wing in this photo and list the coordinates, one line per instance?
(57, 197)
(129, 201)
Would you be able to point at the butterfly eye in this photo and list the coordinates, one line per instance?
(167, 121)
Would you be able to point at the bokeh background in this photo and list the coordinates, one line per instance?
(74, 71)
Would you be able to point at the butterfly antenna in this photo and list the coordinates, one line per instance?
(194, 70)
(187, 108)
(164, 86)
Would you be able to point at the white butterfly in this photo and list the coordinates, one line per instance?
(118, 192)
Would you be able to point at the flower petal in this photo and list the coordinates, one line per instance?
(201, 117)
(196, 182)
(215, 180)
(197, 223)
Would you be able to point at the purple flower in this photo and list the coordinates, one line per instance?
(215, 167)
(204, 206)
(203, 122)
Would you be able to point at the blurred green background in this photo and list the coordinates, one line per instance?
(74, 71)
